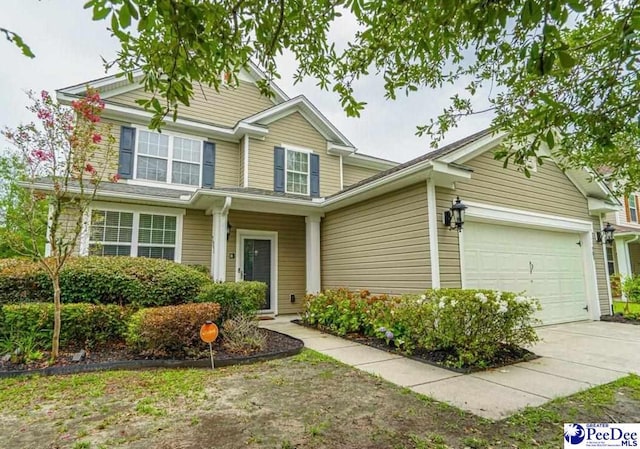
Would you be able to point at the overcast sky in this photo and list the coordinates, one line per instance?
(69, 45)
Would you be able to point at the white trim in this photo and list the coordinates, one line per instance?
(286, 146)
(241, 236)
(83, 250)
(136, 210)
(433, 233)
(312, 259)
(341, 173)
(491, 213)
(532, 220)
(219, 229)
(245, 175)
(188, 190)
(171, 135)
(606, 267)
(294, 149)
(473, 149)
(308, 111)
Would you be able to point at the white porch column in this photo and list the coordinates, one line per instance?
(622, 256)
(313, 253)
(219, 241)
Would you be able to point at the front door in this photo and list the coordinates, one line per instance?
(256, 264)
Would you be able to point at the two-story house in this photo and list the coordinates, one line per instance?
(268, 189)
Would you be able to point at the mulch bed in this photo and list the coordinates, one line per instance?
(619, 318)
(118, 356)
(508, 355)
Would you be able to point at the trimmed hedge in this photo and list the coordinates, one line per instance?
(235, 298)
(86, 325)
(170, 330)
(135, 281)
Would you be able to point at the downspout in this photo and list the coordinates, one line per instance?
(245, 175)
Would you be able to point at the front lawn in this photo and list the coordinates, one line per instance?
(307, 401)
(618, 307)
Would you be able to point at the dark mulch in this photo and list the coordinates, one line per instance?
(118, 352)
(507, 355)
(620, 318)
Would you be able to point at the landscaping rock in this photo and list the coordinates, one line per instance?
(79, 356)
(6, 358)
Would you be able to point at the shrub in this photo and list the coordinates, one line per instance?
(235, 298)
(135, 281)
(170, 330)
(343, 311)
(83, 324)
(470, 325)
(241, 335)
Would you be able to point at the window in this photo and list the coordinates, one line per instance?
(164, 157)
(611, 268)
(633, 209)
(297, 173)
(111, 233)
(157, 236)
(117, 233)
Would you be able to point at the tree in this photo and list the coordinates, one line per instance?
(12, 201)
(558, 72)
(58, 157)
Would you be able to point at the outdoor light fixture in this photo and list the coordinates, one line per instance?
(454, 217)
(606, 235)
(228, 230)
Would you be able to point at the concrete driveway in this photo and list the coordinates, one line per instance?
(575, 357)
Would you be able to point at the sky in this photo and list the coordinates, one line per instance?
(69, 46)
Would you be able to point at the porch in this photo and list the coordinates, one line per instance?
(623, 258)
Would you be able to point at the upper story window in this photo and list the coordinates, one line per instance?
(297, 172)
(633, 209)
(168, 158)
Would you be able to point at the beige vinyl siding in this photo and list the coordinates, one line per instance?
(106, 154)
(196, 238)
(620, 217)
(548, 191)
(294, 130)
(352, 174)
(381, 244)
(228, 164)
(291, 252)
(224, 108)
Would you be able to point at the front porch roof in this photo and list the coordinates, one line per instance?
(625, 231)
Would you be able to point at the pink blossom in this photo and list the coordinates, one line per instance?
(90, 169)
(45, 95)
(115, 177)
(97, 138)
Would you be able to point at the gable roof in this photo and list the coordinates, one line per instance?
(312, 114)
(112, 85)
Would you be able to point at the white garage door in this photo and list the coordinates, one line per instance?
(545, 264)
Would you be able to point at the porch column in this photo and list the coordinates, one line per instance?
(219, 241)
(622, 256)
(313, 253)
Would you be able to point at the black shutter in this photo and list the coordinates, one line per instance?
(208, 164)
(278, 169)
(315, 175)
(127, 147)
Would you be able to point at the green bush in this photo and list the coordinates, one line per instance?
(470, 325)
(135, 281)
(235, 298)
(170, 330)
(83, 324)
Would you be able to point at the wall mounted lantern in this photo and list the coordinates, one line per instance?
(454, 217)
(606, 235)
(228, 230)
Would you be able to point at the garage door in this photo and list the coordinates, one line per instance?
(545, 264)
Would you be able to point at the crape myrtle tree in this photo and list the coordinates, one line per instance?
(563, 73)
(64, 155)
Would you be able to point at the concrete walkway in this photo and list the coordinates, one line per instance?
(575, 357)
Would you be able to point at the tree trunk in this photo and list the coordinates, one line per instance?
(57, 322)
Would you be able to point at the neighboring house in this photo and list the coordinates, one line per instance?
(623, 257)
(269, 189)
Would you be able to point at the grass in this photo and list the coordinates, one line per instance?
(618, 307)
(306, 401)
